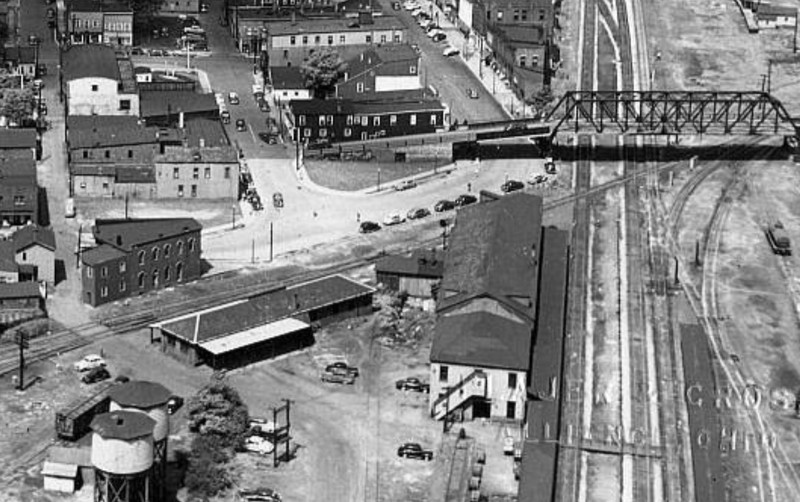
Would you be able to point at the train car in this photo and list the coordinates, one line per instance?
(73, 421)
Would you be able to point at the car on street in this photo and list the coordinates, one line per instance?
(264, 106)
(472, 93)
(96, 375)
(413, 384)
(233, 98)
(277, 200)
(438, 36)
(268, 138)
(342, 378)
(393, 219)
(225, 116)
(444, 205)
(261, 426)
(417, 213)
(538, 179)
(405, 185)
(465, 200)
(512, 186)
(414, 450)
(43, 108)
(436, 31)
(90, 362)
(138, 51)
(240, 125)
(342, 367)
(174, 404)
(260, 495)
(367, 227)
(122, 379)
(449, 51)
(42, 69)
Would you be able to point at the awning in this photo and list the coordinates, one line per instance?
(254, 335)
(59, 470)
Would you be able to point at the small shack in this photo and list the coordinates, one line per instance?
(66, 469)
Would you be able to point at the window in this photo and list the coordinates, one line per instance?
(19, 200)
(154, 253)
(94, 87)
(285, 54)
(176, 173)
(541, 15)
(412, 70)
(307, 132)
(179, 271)
(89, 272)
(130, 154)
(383, 39)
(488, 14)
(511, 409)
(167, 250)
(196, 173)
(24, 256)
(535, 60)
(376, 121)
(524, 15)
(292, 40)
(443, 370)
(397, 38)
(323, 133)
(368, 39)
(516, 14)
(365, 121)
(194, 190)
(522, 60)
(207, 173)
(83, 184)
(305, 39)
(348, 132)
(123, 285)
(85, 154)
(156, 276)
(123, 267)
(180, 190)
(500, 15)
(316, 39)
(180, 248)
(341, 39)
(166, 273)
(348, 120)
(141, 279)
(392, 119)
(330, 39)
(227, 173)
(104, 272)
(191, 244)
(512, 380)
(104, 291)
(330, 120)
(124, 104)
(322, 120)
(359, 87)
(108, 154)
(141, 257)
(433, 119)
(301, 120)
(413, 119)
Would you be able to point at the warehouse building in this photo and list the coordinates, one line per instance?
(263, 326)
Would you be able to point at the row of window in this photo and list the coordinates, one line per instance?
(176, 173)
(78, 23)
(118, 26)
(444, 372)
(523, 60)
(517, 15)
(87, 154)
(19, 200)
(155, 277)
(155, 252)
(342, 39)
(327, 120)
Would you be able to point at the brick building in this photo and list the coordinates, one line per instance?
(19, 191)
(99, 22)
(136, 256)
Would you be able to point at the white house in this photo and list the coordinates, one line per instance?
(60, 477)
(776, 16)
(97, 81)
(34, 248)
(288, 84)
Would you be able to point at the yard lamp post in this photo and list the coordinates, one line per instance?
(379, 180)
(443, 224)
(35, 42)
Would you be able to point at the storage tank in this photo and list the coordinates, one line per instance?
(122, 456)
(151, 399)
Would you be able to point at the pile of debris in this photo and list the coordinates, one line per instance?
(398, 324)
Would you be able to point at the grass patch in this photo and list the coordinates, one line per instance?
(351, 176)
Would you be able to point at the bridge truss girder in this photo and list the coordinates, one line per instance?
(667, 112)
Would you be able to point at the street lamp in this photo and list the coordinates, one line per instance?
(379, 179)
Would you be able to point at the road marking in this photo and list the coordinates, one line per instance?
(252, 135)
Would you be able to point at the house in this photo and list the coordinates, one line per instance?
(417, 274)
(99, 22)
(380, 69)
(19, 192)
(522, 54)
(135, 256)
(9, 270)
(35, 248)
(179, 7)
(19, 296)
(336, 120)
(288, 83)
(173, 108)
(19, 60)
(198, 173)
(19, 140)
(513, 13)
(98, 81)
(776, 16)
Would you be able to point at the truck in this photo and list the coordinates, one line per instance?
(778, 239)
(73, 421)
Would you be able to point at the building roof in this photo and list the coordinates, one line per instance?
(99, 131)
(101, 254)
(482, 339)
(537, 472)
(519, 34)
(19, 187)
(70, 455)
(58, 470)
(19, 54)
(374, 57)
(93, 169)
(163, 103)
(182, 155)
(122, 424)
(211, 132)
(337, 25)
(90, 60)
(280, 303)
(99, 6)
(549, 343)
(17, 168)
(255, 335)
(30, 235)
(17, 138)
(287, 77)
(127, 234)
(773, 11)
(8, 262)
(419, 264)
(352, 107)
(12, 290)
(140, 394)
(494, 246)
(543, 420)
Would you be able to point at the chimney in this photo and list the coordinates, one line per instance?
(180, 120)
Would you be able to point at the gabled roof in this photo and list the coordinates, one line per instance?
(13, 290)
(8, 261)
(419, 264)
(17, 138)
(127, 234)
(90, 60)
(31, 235)
(101, 254)
(373, 58)
(163, 103)
(211, 132)
(537, 472)
(454, 302)
(482, 339)
(17, 167)
(99, 131)
(287, 77)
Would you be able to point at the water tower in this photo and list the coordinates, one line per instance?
(122, 456)
(150, 398)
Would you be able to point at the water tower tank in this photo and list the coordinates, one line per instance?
(151, 399)
(122, 456)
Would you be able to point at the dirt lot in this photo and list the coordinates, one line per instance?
(351, 176)
(209, 213)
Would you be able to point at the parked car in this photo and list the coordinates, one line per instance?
(367, 227)
(260, 495)
(277, 199)
(203, 8)
(42, 69)
(174, 404)
(90, 362)
(342, 367)
(512, 186)
(508, 445)
(338, 378)
(194, 29)
(405, 185)
(414, 384)
(264, 106)
(260, 426)
(393, 219)
(96, 375)
(240, 125)
(43, 108)
(268, 138)
(444, 205)
(538, 179)
(465, 200)
(225, 116)
(450, 51)
(122, 379)
(417, 213)
(233, 98)
(439, 37)
(414, 450)
(436, 31)
(260, 445)
(472, 93)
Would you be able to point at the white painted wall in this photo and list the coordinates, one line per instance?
(496, 384)
(104, 101)
(395, 83)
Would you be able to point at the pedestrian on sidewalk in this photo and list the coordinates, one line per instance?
(358, 217)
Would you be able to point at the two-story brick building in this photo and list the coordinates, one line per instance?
(205, 173)
(99, 22)
(136, 256)
(337, 120)
(98, 81)
(19, 191)
(20, 142)
(380, 69)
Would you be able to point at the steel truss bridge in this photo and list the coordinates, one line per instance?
(672, 112)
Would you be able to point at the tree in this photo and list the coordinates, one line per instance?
(218, 410)
(15, 104)
(322, 71)
(206, 474)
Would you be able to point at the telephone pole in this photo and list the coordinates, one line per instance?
(21, 339)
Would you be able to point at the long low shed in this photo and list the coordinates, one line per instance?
(263, 326)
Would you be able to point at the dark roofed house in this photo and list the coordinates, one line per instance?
(19, 296)
(380, 69)
(19, 60)
(20, 140)
(288, 83)
(165, 108)
(99, 81)
(19, 192)
(35, 247)
(135, 256)
(9, 270)
(417, 274)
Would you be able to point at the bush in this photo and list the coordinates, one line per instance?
(218, 410)
(206, 475)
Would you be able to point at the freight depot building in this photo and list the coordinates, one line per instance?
(262, 326)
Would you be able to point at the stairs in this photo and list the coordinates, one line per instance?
(475, 385)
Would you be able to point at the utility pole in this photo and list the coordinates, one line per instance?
(794, 40)
(126, 205)
(253, 251)
(78, 250)
(270, 241)
(21, 339)
(769, 76)
(233, 217)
